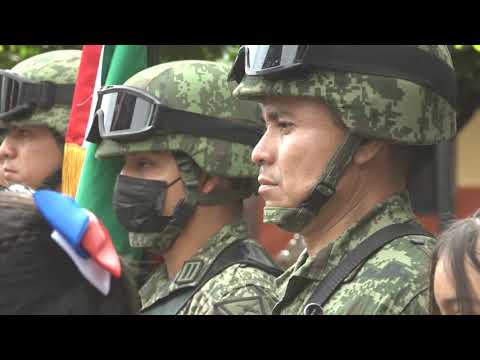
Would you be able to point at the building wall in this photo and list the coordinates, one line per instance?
(468, 168)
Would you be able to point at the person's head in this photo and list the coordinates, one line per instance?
(35, 104)
(342, 119)
(197, 153)
(36, 275)
(455, 271)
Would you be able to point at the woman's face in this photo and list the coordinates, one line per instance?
(445, 281)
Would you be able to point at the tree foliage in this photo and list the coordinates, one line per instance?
(12, 54)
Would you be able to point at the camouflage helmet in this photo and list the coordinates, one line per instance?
(199, 87)
(372, 106)
(59, 67)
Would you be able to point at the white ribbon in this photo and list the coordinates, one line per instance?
(94, 273)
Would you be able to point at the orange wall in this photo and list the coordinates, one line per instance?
(468, 155)
(467, 200)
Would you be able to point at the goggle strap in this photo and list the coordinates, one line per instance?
(335, 168)
(176, 121)
(47, 94)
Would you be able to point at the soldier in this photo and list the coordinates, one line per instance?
(36, 97)
(187, 145)
(342, 122)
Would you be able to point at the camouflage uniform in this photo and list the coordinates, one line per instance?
(237, 290)
(395, 279)
(200, 87)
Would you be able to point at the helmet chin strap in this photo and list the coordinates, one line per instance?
(159, 243)
(295, 219)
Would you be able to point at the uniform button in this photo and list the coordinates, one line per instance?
(417, 241)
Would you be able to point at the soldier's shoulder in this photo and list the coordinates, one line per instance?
(239, 289)
(404, 261)
(411, 252)
(388, 281)
(239, 278)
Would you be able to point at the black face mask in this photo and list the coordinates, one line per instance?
(139, 203)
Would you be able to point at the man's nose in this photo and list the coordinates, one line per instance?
(263, 152)
(7, 149)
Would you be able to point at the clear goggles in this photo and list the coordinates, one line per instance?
(127, 114)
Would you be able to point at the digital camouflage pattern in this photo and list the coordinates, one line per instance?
(59, 67)
(222, 159)
(200, 87)
(393, 281)
(371, 106)
(238, 290)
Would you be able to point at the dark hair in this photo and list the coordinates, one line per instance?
(37, 276)
(457, 244)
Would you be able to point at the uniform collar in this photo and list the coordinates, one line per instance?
(159, 286)
(396, 209)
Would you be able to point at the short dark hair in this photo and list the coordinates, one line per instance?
(37, 276)
(458, 243)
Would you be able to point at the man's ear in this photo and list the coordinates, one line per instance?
(368, 151)
(210, 184)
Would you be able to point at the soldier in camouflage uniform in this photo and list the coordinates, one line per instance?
(180, 192)
(35, 103)
(342, 122)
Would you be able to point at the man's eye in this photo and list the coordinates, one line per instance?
(23, 133)
(284, 125)
(144, 163)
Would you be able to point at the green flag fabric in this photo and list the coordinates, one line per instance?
(95, 189)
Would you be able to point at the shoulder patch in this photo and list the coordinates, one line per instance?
(240, 306)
